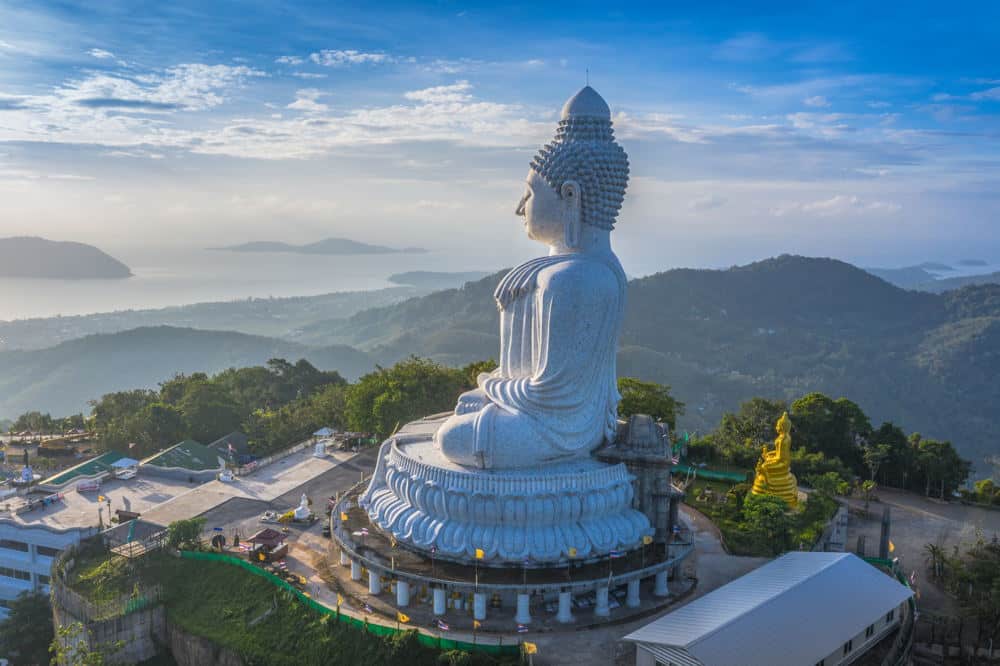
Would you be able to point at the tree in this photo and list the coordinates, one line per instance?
(35, 422)
(832, 427)
(767, 516)
(639, 397)
(939, 464)
(898, 466)
(159, 425)
(830, 484)
(26, 632)
(209, 412)
(389, 397)
(867, 487)
(740, 436)
(185, 532)
(71, 647)
(873, 455)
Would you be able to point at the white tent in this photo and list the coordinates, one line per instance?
(829, 606)
(123, 463)
(325, 432)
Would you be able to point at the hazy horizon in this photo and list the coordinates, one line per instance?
(194, 125)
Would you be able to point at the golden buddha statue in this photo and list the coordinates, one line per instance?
(773, 474)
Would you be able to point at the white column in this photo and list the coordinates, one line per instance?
(565, 614)
(632, 599)
(523, 615)
(479, 606)
(440, 601)
(660, 588)
(344, 559)
(402, 593)
(355, 570)
(374, 583)
(601, 609)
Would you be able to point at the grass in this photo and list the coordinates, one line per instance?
(262, 624)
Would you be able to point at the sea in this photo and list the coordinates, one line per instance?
(181, 276)
(169, 276)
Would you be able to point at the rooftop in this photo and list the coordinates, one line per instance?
(101, 463)
(79, 510)
(188, 454)
(831, 596)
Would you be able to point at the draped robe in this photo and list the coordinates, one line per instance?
(554, 394)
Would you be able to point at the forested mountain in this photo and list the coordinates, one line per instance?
(63, 378)
(777, 328)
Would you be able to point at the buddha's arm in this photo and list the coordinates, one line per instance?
(575, 311)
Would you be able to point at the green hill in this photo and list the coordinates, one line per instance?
(778, 328)
(63, 378)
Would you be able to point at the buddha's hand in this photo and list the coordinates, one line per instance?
(471, 402)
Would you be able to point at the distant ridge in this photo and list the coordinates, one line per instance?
(342, 246)
(33, 257)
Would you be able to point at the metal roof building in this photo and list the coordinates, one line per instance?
(802, 609)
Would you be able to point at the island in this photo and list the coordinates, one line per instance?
(333, 246)
(40, 258)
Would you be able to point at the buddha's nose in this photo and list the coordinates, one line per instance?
(519, 211)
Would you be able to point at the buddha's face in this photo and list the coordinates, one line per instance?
(543, 210)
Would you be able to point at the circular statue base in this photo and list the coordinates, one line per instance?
(398, 576)
(579, 510)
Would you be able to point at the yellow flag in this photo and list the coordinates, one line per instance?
(261, 556)
(343, 516)
(402, 617)
(476, 624)
(100, 498)
(340, 600)
(530, 648)
(892, 546)
(572, 552)
(646, 540)
(480, 554)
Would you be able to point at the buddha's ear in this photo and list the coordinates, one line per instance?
(570, 194)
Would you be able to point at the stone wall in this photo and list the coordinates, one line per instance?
(189, 650)
(140, 631)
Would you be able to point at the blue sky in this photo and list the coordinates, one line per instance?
(865, 131)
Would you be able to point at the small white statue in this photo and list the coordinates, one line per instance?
(302, 512)
(554, 395)
(319, 451)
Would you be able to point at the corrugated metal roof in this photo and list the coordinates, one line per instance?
(794, 610)
(666, 654)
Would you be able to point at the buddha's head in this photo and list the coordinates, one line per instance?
(576, 183)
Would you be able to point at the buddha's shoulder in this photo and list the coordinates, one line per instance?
(579, 271)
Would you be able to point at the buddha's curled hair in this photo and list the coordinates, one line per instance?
(585, 150)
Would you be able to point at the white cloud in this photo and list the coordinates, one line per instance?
(306, 101)
(990, 94)
(879, 105)
(816, 101)
(101, 54)
(456, 92)
(308, 75)
(343, 58)
(707, 202)
(289, 60)
(840, 204)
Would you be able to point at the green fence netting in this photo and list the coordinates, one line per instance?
(711, 474)
(377, 629)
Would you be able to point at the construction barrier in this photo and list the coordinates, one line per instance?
(437, 642)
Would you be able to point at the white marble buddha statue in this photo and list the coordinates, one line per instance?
(554, 395)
